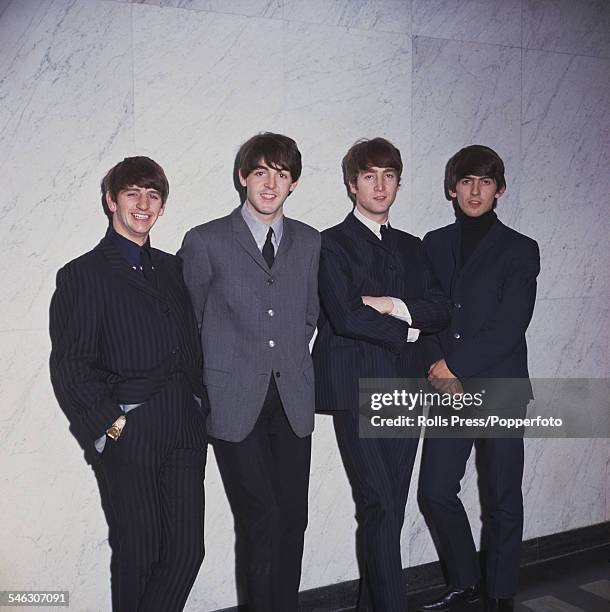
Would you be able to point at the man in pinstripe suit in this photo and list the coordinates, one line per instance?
(253, 279)
(377, 293)
(125, 366)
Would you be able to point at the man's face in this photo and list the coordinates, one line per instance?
(375, 190)
(266, 191)
(476, 194)
(135, 211)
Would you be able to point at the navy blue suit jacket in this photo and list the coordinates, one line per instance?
(355, 340)
(493, 298)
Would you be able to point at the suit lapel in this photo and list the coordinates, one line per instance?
(122, 270)
(362, 232)
(282, 253)
(244, 238)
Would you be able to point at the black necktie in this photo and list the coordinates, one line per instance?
(147, 267)
(385, 235)
(268, 252)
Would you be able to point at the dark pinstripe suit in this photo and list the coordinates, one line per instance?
(356, 341)
(117, 339)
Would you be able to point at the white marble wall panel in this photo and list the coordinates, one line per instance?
(463, 93)
(563, 484)
(568, 26)
(251, 8)
(343, 85)
(570, 338)
(497, 22)
(566, 163)
(197, 98)
(66, 115)
(332, 514)
(381, 15)
(55, 533)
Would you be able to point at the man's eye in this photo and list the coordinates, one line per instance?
(389, 175)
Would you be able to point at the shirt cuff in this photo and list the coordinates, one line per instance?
(400, 311)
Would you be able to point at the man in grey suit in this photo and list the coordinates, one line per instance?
(252, 277)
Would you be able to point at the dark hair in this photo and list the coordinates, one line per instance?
(276, 150)
(475, 160)
(363, 155)
(140, 171)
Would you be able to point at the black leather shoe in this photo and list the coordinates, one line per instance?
(453, 597)
(499, 605)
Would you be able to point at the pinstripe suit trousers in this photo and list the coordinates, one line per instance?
(155, 474)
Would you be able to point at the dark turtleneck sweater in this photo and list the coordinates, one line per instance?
(472, 231)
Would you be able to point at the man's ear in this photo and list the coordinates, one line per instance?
(242, 180)
(500, 192)
(352, 187)
(111, 203)
(452, 193)
(293, 186)
(161, 210)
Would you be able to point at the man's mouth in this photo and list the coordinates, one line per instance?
(268, 196)
(140, 216)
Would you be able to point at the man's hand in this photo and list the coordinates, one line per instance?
(382, 304)
(443, 379)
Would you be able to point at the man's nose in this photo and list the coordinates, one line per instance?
(143, 201)
(476, 187)
(270, 182)
(378, 183)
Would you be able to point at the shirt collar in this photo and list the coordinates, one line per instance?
(372, 225)
(129, 250)
(259, 229)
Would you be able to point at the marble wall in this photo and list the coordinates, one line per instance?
(84, 83)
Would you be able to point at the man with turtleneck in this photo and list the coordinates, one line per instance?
(489, 271)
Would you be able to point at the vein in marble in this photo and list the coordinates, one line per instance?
(481, 21)
(579, 27)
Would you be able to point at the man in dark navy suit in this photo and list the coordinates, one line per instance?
(489, 271)
(377, 293)
(125, 367)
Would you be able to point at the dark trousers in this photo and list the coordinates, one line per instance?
(379, 471)
(155, 473)
(266, 478)
(443, 466)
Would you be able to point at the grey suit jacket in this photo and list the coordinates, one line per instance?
(254, 321)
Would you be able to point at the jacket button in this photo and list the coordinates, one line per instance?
(271, 312)
(457, 336)
(277, 374)
(270, 281)
(271, 343)
(457, 305)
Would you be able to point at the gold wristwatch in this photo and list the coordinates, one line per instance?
(115, 430)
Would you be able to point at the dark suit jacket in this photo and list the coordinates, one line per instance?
(356, 341)
(493, 298)
(116, 339)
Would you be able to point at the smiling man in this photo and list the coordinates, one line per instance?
(489, 271)
(125, 366)
(377, 293)
(252, 276)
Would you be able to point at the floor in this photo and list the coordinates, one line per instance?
(573, 583)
